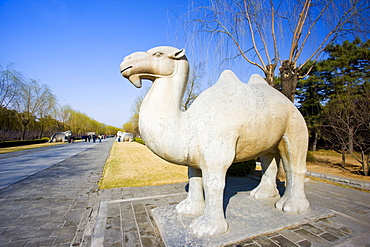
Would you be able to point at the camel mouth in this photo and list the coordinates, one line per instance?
(135, 80)
(127, 68)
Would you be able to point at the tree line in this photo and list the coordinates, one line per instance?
(30, 110)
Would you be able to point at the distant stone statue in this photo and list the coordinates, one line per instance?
(61, 136)
(229, 122)
(127, 137)
(124, 136)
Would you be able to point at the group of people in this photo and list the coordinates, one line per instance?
(93, 137)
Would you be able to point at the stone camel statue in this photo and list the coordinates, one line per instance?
(60, 136)
(229, 122)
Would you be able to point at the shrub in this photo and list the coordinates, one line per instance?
(139, 140)
(242, 168)
(310, 157)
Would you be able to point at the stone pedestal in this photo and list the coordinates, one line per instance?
(247, 217)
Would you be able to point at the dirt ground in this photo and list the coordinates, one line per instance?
(332, 165)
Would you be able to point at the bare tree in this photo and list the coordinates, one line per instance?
(269, 33)
(63, 115)
(46, 107)
(31, 102)
(132, 126)
(193, 87)
(346, 126)
(10, 83)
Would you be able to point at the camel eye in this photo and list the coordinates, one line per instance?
(158, 54)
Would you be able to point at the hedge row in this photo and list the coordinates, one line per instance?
(21, 143)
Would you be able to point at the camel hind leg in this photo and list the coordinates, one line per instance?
(293, 151)
(267, 187)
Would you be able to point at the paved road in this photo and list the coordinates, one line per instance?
(19, 165)
(51, 207)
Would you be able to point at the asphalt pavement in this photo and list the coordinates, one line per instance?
(16, 166)
(50, 205)
(60, 205)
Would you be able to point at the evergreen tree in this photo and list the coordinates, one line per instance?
(335, 100)
(347, 68)
(345, 71)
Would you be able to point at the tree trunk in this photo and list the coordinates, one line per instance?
(343, 157)
(24, 126)
(25, 123)
(41, 133)
(314, 143)
(350, 140)
(289, 78)
(42, 128)
(365, 163)
(269, 73)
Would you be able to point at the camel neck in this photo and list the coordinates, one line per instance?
(161, 118)
(163, 100)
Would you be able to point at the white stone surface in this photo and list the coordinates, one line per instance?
(229, 122)
(244, 222)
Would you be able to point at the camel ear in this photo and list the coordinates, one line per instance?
(177, 54)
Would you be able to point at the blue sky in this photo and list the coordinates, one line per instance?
(75, 47)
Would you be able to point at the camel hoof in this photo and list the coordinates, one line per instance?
(264, 192)
(292, 205)
(204, 227)
(190, 207)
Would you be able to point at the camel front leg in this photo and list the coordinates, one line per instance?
(213, 221)
(194, 203)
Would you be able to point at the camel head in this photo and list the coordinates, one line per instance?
(158, 62)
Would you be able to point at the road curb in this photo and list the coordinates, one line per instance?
(347, 181)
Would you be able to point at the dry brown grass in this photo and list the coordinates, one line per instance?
(131, 164)
(329, 162)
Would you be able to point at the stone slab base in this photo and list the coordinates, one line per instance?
(247, 217)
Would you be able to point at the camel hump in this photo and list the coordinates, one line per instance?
(228, 74)
(228, 77)
(257, 79)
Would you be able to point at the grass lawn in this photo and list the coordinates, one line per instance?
(131, 164)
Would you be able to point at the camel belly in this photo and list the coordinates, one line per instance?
(247, 132)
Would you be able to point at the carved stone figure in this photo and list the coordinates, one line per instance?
(61, 136)
(119, 134)
(127, 137)
(124, 137)
(229, 122)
